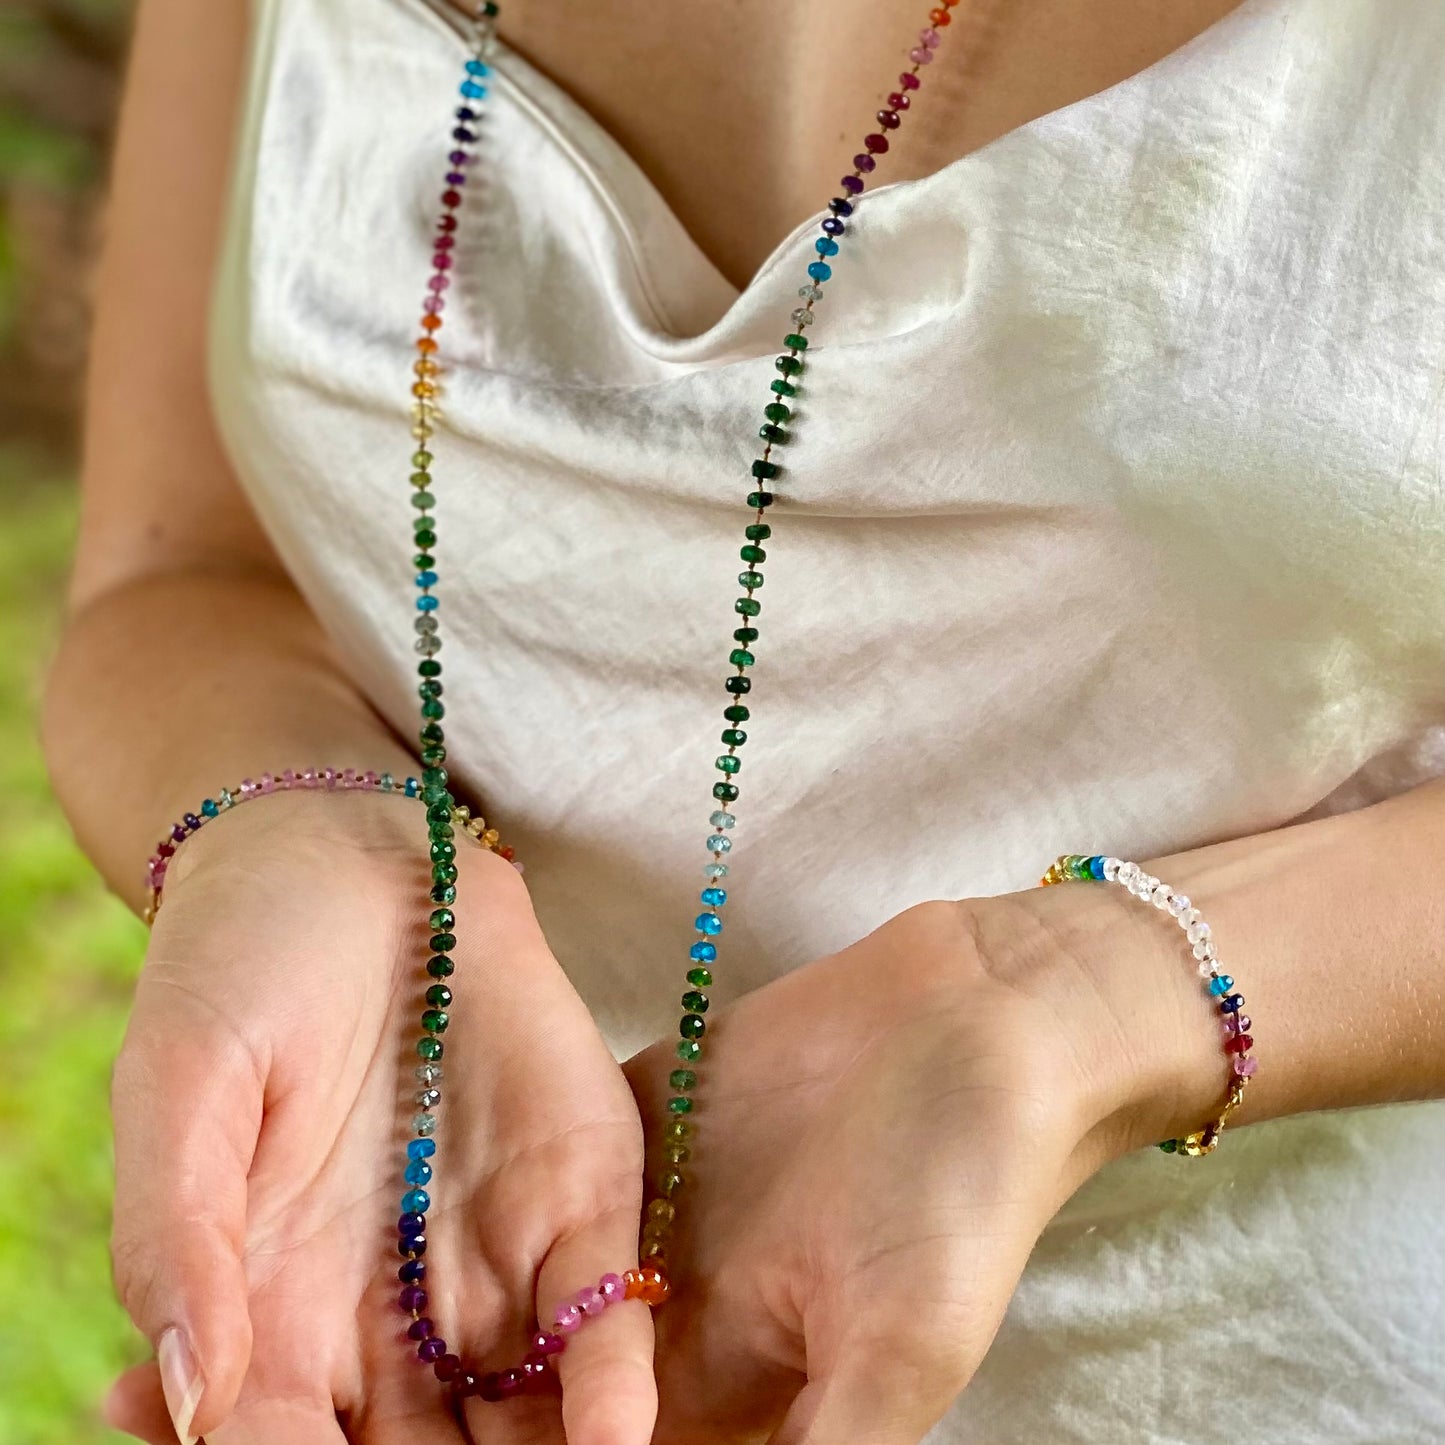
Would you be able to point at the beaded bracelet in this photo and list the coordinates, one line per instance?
(1235, 1024)
(330, 779)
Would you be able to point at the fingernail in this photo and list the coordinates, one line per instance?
(181, 1381)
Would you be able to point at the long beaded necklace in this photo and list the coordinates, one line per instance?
(648, 1282)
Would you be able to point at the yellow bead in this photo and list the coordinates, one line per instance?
(426, 389)
(491, 838)
(661, 1209)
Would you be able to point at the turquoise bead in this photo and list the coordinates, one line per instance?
(703, 952)
(415, 1201)
(421, 1149)
(1221, 985)
(714, 897)
(209, 808)
(709, 923)
(1096, 867)
(418, 1172)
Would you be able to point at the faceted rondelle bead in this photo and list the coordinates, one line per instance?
(1245, 1067)
(412, 1271)
(416, 1201)
(680, 1105)
(1232, 1004)
(701, 977)
(429, 1048)
(431, 1350)
(1221, 984)
(692, 1027)
(423, 1148)
(703, 952)
(695, 1002)
(682, 1080)
(709, 923)
(418, 1171)
(1240, 1044)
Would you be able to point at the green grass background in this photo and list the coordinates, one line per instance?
(68, 957)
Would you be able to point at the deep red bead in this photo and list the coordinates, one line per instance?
(466, 1383)
(451, 199)
(444, 243)
(166, 850)
(511, 1382)
(1240, 1044)
(534, 1366)
(898, 101)
(489, 1387)
(888, 119)
(909, 81)
(447, 223)
(877, 144)
(447, 1368)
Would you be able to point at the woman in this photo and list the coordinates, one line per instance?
(1112, 520)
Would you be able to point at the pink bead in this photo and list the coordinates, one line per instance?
(919, 56)
(328, 777)
(442, 261)
(248, 786)
(930, 38)
(433, 305)
(909, 81)
(545, 1344)
(268, 783)
(592, 1302)
(534, 1366)
(612, 1288)
(288, 778)
(517, 864)
(370, 780)
(309, 778)
(1245, 1066)
(568, 1320)
(439, 282)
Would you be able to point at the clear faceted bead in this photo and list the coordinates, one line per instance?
(428, 1073)
(810, 293)
(429, 1098)
(426, 623)
(1204, 949)
(428, 646)
(715, 870)
(803, 317)
(1179, 905)
(722, 820)
(424, 1124)
(1111, 869)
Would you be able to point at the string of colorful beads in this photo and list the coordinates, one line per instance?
(679, 1132)
(649, 1282)
(1234, 1023)
(330, 779)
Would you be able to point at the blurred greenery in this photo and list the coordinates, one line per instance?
(68, 955)
(68, 952)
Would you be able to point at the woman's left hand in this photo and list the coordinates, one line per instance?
(880, 1138)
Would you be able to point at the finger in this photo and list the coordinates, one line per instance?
(609, 1392)
(136, 1405)
(281, 1422)
(187, 1098)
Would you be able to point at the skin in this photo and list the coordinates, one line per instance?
(264, 1047)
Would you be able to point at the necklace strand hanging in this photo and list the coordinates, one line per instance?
(648, 1281)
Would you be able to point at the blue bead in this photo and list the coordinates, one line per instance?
(421, 1148)
(1096, 867)
(416, 1201)
(418, 1172)
(472, 90)
(464, 135)
(412, 788)
(209, 808)
(833, 226)
(714, 897)
(1232, 1004)
(840, 206)
(709, 923)
(465, 112)
(426, 604)
(410, 1224)
(820, 270)
(477, 67)
(1222, 984)
(702, 952)
(826, 246)
(426, 579)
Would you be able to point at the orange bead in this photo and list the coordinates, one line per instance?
(431, 323)
(632, 1281)
(426, 368)
(940, 17)
(426, 345)
(424, 388)
(654, 1286)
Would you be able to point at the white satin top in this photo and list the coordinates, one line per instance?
(1113, 520)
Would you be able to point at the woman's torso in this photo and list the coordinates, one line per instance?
(1113, 521)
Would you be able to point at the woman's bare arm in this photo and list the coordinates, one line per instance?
(190, 661)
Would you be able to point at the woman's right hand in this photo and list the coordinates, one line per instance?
(262, 1103)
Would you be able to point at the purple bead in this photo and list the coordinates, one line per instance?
(192, 822)
(458, 158)
(833, 226)
(864, 162)
(464, 135)
(489, 1387)
(456, 178)
(412, 1244)
(511, 1382)
(412, 1272)
(412, 1299)
(178, 833)
(411, 1224)
(421, 1329)
(852, 185)
(840, 207)
(430, 1351)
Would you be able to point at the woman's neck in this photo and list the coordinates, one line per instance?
(744, 113)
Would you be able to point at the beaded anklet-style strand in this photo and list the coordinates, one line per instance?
(1234, 1023)
(649, 1282)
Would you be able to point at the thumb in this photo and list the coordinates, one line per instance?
(186, 1099)
(609, 1393)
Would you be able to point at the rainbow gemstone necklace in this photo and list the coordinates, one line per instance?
(648, 1281)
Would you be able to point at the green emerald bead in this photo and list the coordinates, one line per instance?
(757, 532)
(1169, 1146)
(750, 579)
(783, 388)
(741, 657)
(725, 792)
(423, 501)
(433, 710)
(751, 553)
(737, 713)
(421, 460)
(689, 1051)
(682, 1080)
(738, 685)
(774, 434)
(440, 832)
(430, 1049)
(746, 635)
(443, 852)
(444, 872)
(425, 537)
(795, 341)
(439, 996)
(435, 1021)
(434, 777)
(694, 1002)
(443, 893)
(788, 365)
(692, 1027)
(748, 606)
(429, 667)
(765, 471)
(431, 733)
(776, 411)
(436, 797)
(439, 813)
(443, 942)
(681, 1104)
(440, 966)
(423, 561)
(434, 755)
(734, 737)
(761, 501)
(726, 763)
(700, 977)
(441, 920)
